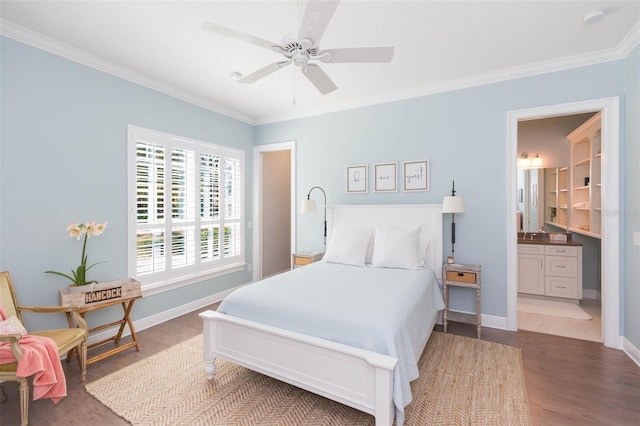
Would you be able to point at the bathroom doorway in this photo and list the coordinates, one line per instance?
(544, 206)
(609, 259)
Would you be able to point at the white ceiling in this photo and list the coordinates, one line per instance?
(439, 45)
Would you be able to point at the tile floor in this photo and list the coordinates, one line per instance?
(577, 329)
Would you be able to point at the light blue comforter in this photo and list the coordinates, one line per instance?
(388, 311)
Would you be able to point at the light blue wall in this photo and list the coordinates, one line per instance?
(462, 133)
(63, 159)
(631, 207)
(64, 132)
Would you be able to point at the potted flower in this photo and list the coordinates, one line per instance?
(78, 276)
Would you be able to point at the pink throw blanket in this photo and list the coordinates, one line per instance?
(41, 360)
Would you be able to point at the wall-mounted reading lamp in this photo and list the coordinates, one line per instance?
(310, 206)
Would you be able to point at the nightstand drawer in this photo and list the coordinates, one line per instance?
(301, 260)
(304, 258)
(461, 277)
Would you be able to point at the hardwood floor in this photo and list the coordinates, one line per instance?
(569, 382)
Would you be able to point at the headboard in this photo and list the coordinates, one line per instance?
(427, 216)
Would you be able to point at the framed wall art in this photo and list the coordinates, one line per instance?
(386, 177)
(357, 179)
(416, 175)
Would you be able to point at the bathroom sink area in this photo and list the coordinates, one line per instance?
(532, 236)
(545, 238)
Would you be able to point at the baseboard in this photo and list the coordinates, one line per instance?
(631, 350)
(489, 321)
(591, 294)
(151, 320)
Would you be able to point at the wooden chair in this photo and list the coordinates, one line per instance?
(66, 339)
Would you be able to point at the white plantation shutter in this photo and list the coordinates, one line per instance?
(186, 207)
(210, 208)
(150, 208)
(233, 209)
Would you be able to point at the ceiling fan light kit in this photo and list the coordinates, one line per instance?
(302, 47)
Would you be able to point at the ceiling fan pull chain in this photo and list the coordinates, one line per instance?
(294, 85)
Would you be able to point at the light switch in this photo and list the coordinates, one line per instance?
(636, 238)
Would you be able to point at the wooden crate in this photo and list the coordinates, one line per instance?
(100, 292)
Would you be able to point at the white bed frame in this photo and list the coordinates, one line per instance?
(355, 377)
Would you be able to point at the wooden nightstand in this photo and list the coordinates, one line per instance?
(303, 258)
(467, 276)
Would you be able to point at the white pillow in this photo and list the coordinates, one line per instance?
(397, 248)
(423, 246)
(348, 246)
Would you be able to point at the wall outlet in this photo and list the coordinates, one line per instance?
(250, 267)
(636, 238)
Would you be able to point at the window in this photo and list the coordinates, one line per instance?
(185, 208)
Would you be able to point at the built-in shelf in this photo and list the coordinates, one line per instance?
(585, 213)
(586, 161)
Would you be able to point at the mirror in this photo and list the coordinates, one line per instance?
(542, 199)
(531, 199)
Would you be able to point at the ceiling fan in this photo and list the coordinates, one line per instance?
(302, 48)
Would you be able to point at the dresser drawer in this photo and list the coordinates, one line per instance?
(561, 266)
(561, 287)
(531, 248)
(561, 251)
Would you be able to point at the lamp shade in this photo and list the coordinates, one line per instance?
(308, 206)
(453, 204)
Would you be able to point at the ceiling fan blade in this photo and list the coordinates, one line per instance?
(317, 15)
(238, 35)
(360, 54)
(263, 72)
(319, 79)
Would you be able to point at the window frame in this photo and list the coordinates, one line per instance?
(175, 277)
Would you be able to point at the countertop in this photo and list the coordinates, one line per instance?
(548, 242)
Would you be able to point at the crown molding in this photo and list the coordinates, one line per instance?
(23, 35)
(624, 48)
(39, 41)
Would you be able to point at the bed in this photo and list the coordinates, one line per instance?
(341, 344)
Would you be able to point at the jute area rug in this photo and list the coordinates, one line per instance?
(463, 381)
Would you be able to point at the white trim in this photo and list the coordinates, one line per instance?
(257, 199)
(42, 42)
(489, 321)
(151, 289)
(622, 50)
(171, 278)
(591, 294)
(492, 321)
(632, 351)
(610, 258)
(169, 314)
(23, 35)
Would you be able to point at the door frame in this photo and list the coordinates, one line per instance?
(610, 255)
(257, 199)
